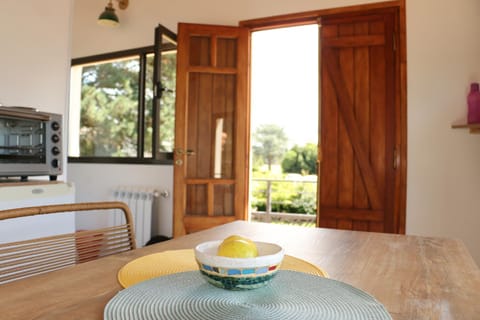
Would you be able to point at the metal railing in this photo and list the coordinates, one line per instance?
(301, 191)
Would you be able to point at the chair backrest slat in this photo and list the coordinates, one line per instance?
(30, 257)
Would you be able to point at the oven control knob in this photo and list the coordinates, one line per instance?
(55, 163)
(55, 151)
(55, 138)
(55, 125)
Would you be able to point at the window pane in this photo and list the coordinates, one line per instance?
(108, 91)
(167, 102)
(148, 131)
(109, 109)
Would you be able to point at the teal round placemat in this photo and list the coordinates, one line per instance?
(291, 295)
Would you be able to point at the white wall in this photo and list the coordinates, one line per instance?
(443, 52)
(138, 21)
(443, 164)
(97, 182)
(35, 54)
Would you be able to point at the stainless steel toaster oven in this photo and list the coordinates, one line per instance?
(30, 143)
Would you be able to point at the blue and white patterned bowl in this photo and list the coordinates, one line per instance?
(239, 273)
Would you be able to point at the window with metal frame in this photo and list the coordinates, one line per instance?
(122, 104)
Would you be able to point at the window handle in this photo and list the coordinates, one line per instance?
(159, 89)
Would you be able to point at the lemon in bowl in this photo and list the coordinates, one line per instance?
(238, 264)
(237, 247)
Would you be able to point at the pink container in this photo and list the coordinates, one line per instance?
(473, 101)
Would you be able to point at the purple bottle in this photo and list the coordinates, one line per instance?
(473, 101)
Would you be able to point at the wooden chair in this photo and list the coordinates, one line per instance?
(26, 258)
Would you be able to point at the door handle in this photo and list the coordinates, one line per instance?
(396, 158)
(187, 152)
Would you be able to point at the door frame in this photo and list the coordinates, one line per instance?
(400, 160)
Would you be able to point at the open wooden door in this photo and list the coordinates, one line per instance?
(212, 117)
(359, 127)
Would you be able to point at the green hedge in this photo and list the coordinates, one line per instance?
(286, 196)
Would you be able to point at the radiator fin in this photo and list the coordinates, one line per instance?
(140, 200)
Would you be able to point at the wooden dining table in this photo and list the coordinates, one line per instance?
(413, 277)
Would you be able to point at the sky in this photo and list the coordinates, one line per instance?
(285, 81)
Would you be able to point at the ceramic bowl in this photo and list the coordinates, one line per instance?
(239, 273)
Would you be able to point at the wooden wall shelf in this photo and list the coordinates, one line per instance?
(474, 128)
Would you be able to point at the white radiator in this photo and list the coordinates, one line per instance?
(141, 201)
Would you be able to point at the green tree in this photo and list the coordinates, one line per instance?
(167, 108)
(109, 109)
(166, 125)
(269, 143)
(301, 159)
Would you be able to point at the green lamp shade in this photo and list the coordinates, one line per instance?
(108, 18)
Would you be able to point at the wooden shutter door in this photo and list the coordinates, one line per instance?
(211, 145)
(358, 127)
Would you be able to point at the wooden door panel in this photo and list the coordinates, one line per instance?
(212, 197)
(223, 196)
(347, 117)
(346, 157)
(226, 53)
(196, 195)
(211, 158)
(362, 115)
(377, 117)
(345, 169)
(357, 124)
(223, 116)
(199, 50)
(329, 145)
(199, 111)
(210, 106)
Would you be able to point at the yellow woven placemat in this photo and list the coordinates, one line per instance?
(174, 261)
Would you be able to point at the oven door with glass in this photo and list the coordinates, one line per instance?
(30, 143)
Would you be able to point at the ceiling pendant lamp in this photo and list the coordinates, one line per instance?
(108, 17)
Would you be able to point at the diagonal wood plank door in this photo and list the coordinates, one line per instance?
(358, 127)
(211, 145)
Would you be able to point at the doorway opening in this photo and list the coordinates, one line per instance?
(284, 125)
(363, 118)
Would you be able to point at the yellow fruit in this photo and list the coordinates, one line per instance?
(236, 237)
(237, 248)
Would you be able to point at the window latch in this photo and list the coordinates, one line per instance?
(158, 90)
